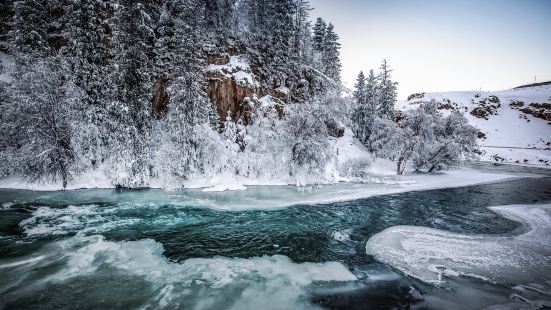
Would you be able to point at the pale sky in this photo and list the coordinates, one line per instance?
(443, 45)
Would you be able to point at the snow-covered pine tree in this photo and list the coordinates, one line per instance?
(87, 55)
(282, 33)
(219, 14)
(320, 30)
(387, 91)
(359, 92)
(303, 38)
(359, 115)
(318, 43)
(367, 108)
(130, 112)
(230, 129)
(331, 54)
(36, 31)
(372, 99)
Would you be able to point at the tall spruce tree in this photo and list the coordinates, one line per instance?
(359, 93)
(387, 91)
(320, 30)
(131, 109)
(368, 107)
(331, 54)
(88, 57)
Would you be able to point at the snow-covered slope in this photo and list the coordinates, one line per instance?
(7, 66)
(515, 125)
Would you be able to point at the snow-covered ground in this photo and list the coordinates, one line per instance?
(7, 67)
(431, 254)
(511, 135)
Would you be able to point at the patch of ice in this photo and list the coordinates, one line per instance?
(342, 235)
(7, 205)
(431, 255)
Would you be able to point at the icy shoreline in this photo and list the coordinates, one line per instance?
(280, 195)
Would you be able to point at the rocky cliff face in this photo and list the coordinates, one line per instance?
(236, 84)
(232, 84)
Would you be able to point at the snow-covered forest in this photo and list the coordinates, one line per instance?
(183, 90)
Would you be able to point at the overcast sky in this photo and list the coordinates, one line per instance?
(441, 45)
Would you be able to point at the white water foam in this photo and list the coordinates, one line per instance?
(84, 219)
(268, 282)
(431, 255)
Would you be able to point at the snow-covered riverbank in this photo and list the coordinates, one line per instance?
(277, 195)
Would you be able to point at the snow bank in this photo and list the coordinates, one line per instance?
(273, 282)
(7, 68)
(93, 179)
(431, 255)
(511, 135)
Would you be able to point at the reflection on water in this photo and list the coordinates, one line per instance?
(55, 226)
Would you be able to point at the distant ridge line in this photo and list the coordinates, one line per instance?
(534, 85)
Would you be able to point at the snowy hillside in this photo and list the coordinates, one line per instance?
(515, 125)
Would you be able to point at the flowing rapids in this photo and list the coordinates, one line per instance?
(150, 249)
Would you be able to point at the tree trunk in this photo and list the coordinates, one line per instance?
(399, 166)
(63, 176)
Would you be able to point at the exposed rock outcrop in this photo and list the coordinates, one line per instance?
(416, 96)
(486, 107)
(161, 97)
(538, 110)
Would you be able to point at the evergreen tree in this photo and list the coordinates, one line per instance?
(387, 91)
(360, 92)
(36, 32)
(320, 30)
(302, 29)
(372, 100)
(87, 56)
(191, 117)
(131, 109)
(331, 54)
(281, 32)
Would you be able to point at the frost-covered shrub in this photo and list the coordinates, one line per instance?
(309, 144)
(454, 139)
(356, 169)
(38, 125)
(424, 139)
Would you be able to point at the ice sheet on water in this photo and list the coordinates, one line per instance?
(431, 255)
